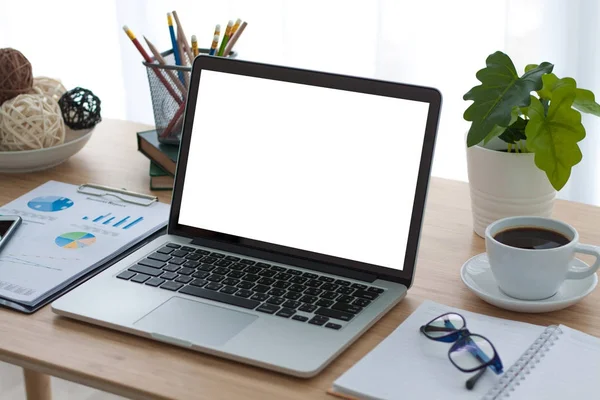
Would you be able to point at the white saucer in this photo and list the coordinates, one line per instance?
(477, 275)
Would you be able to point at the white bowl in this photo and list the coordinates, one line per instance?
(40, 159)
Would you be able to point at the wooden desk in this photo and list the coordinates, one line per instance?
(139, 368)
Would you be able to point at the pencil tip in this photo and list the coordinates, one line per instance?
(125, 28)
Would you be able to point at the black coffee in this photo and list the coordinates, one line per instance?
(531, 238)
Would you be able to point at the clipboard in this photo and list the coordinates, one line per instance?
(91, 189)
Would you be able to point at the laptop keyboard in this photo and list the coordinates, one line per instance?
(271, 289)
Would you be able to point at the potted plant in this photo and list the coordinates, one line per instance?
(522, 142)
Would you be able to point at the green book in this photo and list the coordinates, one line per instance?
(159, 178)
(164, 155)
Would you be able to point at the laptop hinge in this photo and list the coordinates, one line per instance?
(286, 259)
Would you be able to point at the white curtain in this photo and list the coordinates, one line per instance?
(435, 43)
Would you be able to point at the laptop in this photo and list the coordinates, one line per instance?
(295, 218)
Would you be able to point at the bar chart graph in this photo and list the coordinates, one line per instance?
(114, 221)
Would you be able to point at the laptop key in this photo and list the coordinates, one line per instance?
(294, 272)
(310, 275)
(342, 283)
(252, 270)
(244, 293)
(293, 295)
(151, 263)
(331, 325)
(173, 286)
(191, 264)
(146, 270)
(281, 285)
(278, 268)
(276, 292)
(346, 299)
(200, 274)
(160, 257)
(250, 277)
(286, 312)
(261, 288)
(220, 297)
(221, 271)
(229, 290)
(268, 273)
(165, 250)
(292, 304)
(245, 285)
(215, 278)
(187, 248)
(260, 296)
(308, 308)
(203, 252)
(198, 282)
(300, 318)
(217, 255)
(329, 295)
(308, 299)
(375, 289)
(318, 320)
(223, 263)
(186, 271)
(247, 262)
(298, 280)
(232, 258)
(366, 295)
(214, 286)
(345, 290)
(314, 283)
(206, 267)
(336, 314)
(140, 278)
(171, 267)
(193, 256)
(183, 279)
(297, 288)
(327, 279)
(313, 291)
(236, 274)
(155, 282)
(275, 300)
(176, 261)
(324, 303)
(177, 253)
(173, 245)
(331, 287)
(263, 265)
(238, 266)
(358, 286)
(126, 275)
(169, 275)
(282, 276)
(349, 308)
(208, 260)
(230, 281)
(361, 302)
(267, 308)
(266, 281)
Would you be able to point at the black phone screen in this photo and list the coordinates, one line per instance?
(4, 227)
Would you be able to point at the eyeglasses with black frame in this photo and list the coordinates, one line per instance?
(470, 352)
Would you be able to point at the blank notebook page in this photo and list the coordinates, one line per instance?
(570, 369)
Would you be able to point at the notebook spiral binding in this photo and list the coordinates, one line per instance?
(523, 366)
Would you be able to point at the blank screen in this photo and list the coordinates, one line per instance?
(312, 168)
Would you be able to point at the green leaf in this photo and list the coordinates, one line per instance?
(500, 91)
(498, 130)
(553, 137)
(529, 67)
(584, 99)
(515, 132)
(585, 102)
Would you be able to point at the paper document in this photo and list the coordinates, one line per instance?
(65, 234)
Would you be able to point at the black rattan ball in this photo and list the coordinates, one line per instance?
(80, 108)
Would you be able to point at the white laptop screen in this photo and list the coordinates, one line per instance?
(317, 169)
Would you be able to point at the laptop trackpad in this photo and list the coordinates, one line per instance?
(180, 320)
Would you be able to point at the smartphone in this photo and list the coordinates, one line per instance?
(8, 226)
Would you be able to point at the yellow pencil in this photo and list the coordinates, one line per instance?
(213, 48)
(235, 38)
(225, 38)
(235, 27)
(194, 46)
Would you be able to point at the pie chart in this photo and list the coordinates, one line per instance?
(75, 240)
(50, 203)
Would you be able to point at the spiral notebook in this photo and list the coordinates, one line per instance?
(554, 362)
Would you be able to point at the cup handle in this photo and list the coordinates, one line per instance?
(580, 273)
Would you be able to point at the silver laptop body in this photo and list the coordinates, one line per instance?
(294, 223)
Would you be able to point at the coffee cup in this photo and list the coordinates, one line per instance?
(531, 257)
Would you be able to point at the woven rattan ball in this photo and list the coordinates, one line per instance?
(50, 87)
(29, 122)
(15, 74)
(80, 108)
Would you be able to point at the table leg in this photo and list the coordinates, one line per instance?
(37, 385)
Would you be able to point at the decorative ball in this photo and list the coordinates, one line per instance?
(80, 108)
(15, 74)
(52, 88)
(29, 122)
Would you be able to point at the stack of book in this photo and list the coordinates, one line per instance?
(163, 159)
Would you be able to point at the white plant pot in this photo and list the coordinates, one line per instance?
(504, 185)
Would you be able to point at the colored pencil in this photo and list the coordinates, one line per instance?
(235, 38)
(148, 59)
(186, 77)
(235, 28)
(194, 46)
(181, 34)
(159, 58)
(174, 121)
(174, 43)
(225, 38)
(216, 35)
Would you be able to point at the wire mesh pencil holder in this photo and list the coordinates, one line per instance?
(168, 90)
